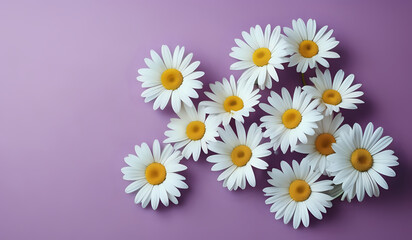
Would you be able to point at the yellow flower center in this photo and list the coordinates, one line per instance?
(171, 79)
(332, 97)
(308, 48)
(233, 103)
(291, 118)
(241, 155)
(195, 130)
(323, 143)
(155, 173)
(299, 190)
(361, 160)
(261, 56)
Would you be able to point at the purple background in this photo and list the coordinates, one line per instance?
(71, 110)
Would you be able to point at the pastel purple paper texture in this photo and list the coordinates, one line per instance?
(71, 111)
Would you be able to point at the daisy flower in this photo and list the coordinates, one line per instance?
(154, 175)
(319, 146)
(334, 95)
(193, 131)
(170, 77)
(308, 47)
(289, 120)
(295, 192)
(237, 154)
(231, 100)
(336, 191)
(259, 55)
(360, 160)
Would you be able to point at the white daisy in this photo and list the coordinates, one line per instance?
(237, 154)
(231, 101)
(319, 146)
(295, 191)
(360, 160)
(193, 131)
(154, 175)
(336, 191)
(259, 55)
(306, 47)
(170, 77)
(289, 120)
(334, 95)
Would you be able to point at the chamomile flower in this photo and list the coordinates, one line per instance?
(259, 55)
(295, 192)
(289, 120)
(193, 131)
(360, 160)
(335, 94)
(170, 77)
(154, 174)
(231, 100)
(319, 146)
(308, 47)
(237, 154)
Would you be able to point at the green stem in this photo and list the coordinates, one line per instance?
(303, 79)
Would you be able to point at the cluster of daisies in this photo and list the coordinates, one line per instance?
(352, 160)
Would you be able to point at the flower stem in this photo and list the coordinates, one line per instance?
(303, 79)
